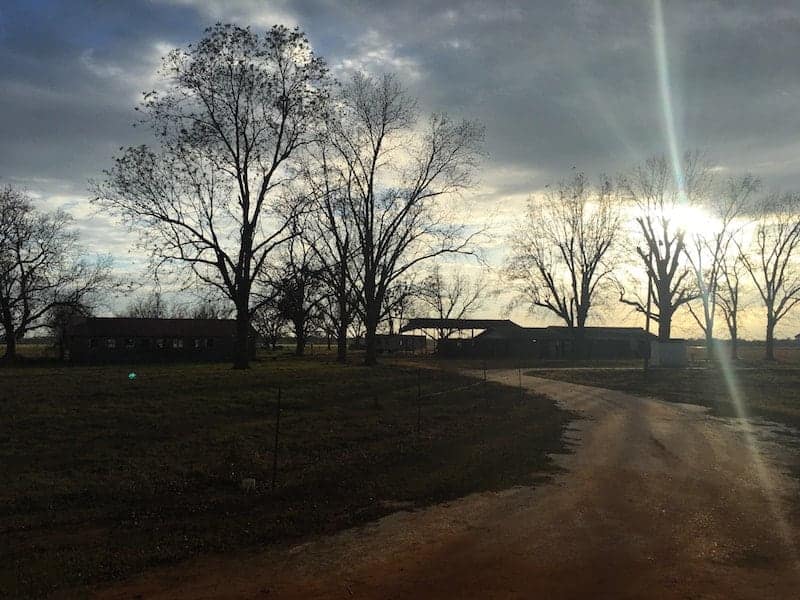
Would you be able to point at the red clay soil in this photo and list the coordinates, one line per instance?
(658, 501)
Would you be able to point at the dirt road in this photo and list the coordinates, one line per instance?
(658, 501)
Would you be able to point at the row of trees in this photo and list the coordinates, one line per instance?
(256, 149)
(296, 199)
(697, 242)
(48, 283)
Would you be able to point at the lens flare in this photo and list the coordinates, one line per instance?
(662, 64)
(735, 394)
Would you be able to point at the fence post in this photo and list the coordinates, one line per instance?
(419, 400)
(485, 386)
(277, 433)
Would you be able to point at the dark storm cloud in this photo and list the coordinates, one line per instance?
(558, 84)
(70, 76)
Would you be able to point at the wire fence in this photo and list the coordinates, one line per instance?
(419, 401)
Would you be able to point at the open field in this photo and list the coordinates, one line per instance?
(750, 388)
(104, 476)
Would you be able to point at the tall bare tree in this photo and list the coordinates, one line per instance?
(41, 268)
(729, 294)
(659, 194)
(708, 251)
(451, 297)
(771, 260)
(332, 236)
(558, 252)
(236, 111)
(400, 175)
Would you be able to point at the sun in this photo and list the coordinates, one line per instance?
(693, 220)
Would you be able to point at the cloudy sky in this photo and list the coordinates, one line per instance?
(558, 84)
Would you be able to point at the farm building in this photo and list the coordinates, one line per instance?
(391, 343)
(116, 339)
(503, 338)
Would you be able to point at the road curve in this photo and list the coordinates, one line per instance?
(657, 500)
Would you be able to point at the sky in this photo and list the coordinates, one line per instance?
(559, 85)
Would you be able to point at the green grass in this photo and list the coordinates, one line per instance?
(103, 477)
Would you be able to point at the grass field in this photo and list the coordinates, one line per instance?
(764, 389)
(104, 476)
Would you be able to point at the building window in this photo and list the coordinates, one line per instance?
(160, 343)
(111, 343)
(177, 343)
(130, 343)
(209, 342)
(197, 343)
(144, 343)
(92, 343)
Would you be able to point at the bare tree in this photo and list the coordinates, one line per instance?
(399, 174)
(59, 320)
(772, 260)
(729, 294)
(708, 251)
(237, 110)
(659, 194)
(398, 301)
(297, 290)
(41, 268)
(558, 256)
(453, 297)
(270, 324)
(210, 309)
(334, 240)
(150, 306)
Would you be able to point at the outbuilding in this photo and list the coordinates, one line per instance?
(504, 338)
(124, 339)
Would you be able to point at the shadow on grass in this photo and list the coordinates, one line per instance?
(104, 477)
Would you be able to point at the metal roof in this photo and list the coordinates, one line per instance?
(461, 324)
(131, 327)
(556, 332)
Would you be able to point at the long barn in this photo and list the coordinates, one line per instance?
(503, 338)
(123, 339)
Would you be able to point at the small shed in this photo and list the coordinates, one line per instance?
(124, 339)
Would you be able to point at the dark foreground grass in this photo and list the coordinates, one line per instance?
(103, 477)
(768, 390)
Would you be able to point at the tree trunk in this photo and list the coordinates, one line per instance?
(343, 322)
(11, 345)
(770, 349)
(241, 351)
(370, 343)
(664, 324)
(372, 304)
(734, 346)
(341, 341)
(299, 339)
